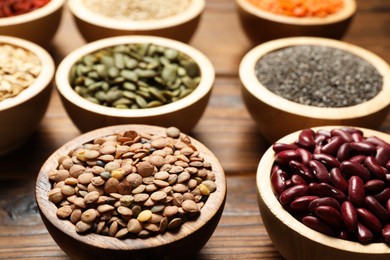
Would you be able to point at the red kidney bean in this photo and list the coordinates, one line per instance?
(319, 139)
(333, 145)
(284, 157)
(364, 235)
(356, 191)
(349, 216)
(319, 171)
(383, 196)
(329, 215)
(344, 235)
(278, 147)
(369, 220)
(388, 165)
(305, 155)
(345, 135)
(344, 152)
(357, 137)
(278, 181)
(374, 167)
(292, 193)
(306, 139)
(327, 160)
(359, 159)
(313, 188)
(388, 206)
(351, 168)
(302, 170)
(325, 190)
(289, 183)
(376, 208)
(352, 130)
(382, 155)
(326, 201)
(376, 141)
(302, 203)
(338, 180)
(386, 233)
(374, 186)
(298, 180)
(362, 148)
(318, 225)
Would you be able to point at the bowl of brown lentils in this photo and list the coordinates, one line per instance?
(324, 193)
(174, 19)
(301, 82)
(26, 72)
(137, 80)
(131, 191)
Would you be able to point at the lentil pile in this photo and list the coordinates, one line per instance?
(137, 10)
(10, 8)
(18, 70)
(135, 76)
(336, 182)
(319, 76)
(132, 185)
(300, 8)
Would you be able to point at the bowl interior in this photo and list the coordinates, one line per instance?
(42, 81)
(204, 87)
(213, 204)
(266, 194)
(346, 12)
(258, 90)
(82, 12)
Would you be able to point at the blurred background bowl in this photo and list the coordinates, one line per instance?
(21, 115)
(277, 116)
(260, 25)
(185, 242)
(183, 113)
(293, 239)
(38, 26)
(94, 26)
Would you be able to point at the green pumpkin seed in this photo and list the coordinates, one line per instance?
(141, 101)
(129, 86)
(130, 63)
(129, 75)
(119, 60)
(145, 73)
(129, 94)
(171, 54)
(155, 103)
(113, 72)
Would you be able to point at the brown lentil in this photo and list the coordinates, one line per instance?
(130, 197)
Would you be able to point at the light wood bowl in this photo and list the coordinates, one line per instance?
(186, 242)
(277, 116)
(293, 239)
(261, 26)
(93, 26)
(38, 26)
(183, 113)
(21, 115)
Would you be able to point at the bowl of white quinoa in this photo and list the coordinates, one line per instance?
(174, 19)
(26, 72)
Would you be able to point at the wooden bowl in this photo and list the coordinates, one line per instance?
(277, 116)
(94, 26)
(185, 242)
(21, 115)
(38, 26)
(183, 113)
(293, 239)
(261, 26)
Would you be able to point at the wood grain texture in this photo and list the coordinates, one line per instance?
(226, 128)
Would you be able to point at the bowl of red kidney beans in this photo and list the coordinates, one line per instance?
(33, 20)
(324, 192)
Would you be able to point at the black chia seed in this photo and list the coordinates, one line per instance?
(319, 76)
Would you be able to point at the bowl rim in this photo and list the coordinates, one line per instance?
(253, 85)
(265, 193)
(79, 10)
(347, 11)
(213, 204)
(206, 70)
(41, 82)
(45, 10)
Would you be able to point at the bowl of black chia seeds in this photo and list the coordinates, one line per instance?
(131, 192)
(135, 79)
(174, 19)
(296, 83)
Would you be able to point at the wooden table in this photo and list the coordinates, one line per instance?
(226, 128)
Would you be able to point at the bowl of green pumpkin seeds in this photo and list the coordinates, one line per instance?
(135, 79)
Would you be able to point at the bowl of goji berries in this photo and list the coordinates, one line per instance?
(33, 20)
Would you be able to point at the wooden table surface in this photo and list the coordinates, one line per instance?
(226, 128)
